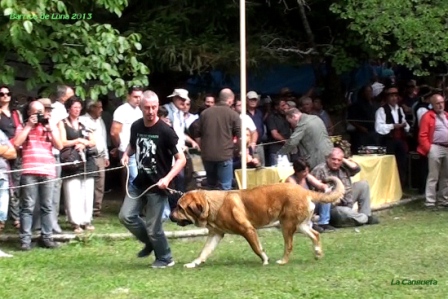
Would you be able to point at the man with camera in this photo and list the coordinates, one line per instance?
(37, 136)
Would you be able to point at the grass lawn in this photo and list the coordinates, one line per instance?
(410, 243)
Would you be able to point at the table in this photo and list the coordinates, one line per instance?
(380, 172)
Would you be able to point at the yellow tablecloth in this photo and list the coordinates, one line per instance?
(380, 172)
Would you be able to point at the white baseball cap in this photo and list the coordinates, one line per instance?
(377, 88)
(182, 93)
(252, 95)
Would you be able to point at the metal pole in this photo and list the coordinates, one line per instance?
(243, 91)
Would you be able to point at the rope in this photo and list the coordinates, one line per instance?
(67, 177)
(147, 189)
(45, 166)
(85, 174)
(278, 141)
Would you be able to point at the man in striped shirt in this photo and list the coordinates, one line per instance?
(37, 138)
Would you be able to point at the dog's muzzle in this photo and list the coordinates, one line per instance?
(184, 222)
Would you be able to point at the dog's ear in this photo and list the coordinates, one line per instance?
(196, 209)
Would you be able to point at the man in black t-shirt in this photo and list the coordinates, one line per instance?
(154, 144)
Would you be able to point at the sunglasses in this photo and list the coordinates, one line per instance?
(3, 94)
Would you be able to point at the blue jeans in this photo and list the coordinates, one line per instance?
(30, 195)
(150, 233)
(56, 201)
(4, 200)
(324, 213)
(132, 163)
(219, 174)
(56, 197)
(273, 159)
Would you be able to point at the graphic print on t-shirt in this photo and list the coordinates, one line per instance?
(145, 153)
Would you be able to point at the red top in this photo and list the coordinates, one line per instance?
(37, 152)
(426, 132)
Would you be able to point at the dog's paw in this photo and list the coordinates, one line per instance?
(318, 254)
(191, 265)
(265, 259)
(282, 262)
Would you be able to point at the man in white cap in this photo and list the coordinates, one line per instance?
(258, 117)
(176, 116)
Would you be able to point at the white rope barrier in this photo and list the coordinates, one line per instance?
(84, 174)
(104, 170)
(63, 178)
(279, 141)
(44, 166)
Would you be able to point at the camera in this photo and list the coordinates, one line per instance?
(41, 119)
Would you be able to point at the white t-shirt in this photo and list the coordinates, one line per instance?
(126, 115)
(249, 122)
(59, 113)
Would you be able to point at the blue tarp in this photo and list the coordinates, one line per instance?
(297, 79)
(269, 82)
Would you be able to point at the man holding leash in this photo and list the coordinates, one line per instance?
(154, 144)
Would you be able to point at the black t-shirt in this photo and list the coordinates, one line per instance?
(7, 125)
(154, 149)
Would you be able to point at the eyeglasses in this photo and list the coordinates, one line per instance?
(5, 94)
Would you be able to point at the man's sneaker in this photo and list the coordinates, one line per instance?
(25, 247)
(430, 207)
(372, 220)
(146, 251)
(327, 228)
(48, 243)
(158, 264)
(317, 228)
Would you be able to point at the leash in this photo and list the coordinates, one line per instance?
(172, 191)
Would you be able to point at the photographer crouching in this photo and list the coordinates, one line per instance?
(37, 136)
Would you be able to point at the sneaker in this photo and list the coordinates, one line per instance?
(25, 247)
(372, 220)
(318, 228)
(158, 264)
(48, 243)
(430, 207)
(146, 251)
(327, 228)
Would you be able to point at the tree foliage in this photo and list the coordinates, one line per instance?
(196, 36)
(407, 32)
(64, 42)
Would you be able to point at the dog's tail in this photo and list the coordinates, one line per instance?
(332, 197)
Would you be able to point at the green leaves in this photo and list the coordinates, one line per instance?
(94, 57)
(404, 32)
(61, 7)
(138, 46)
(8, 11)
(28, 26)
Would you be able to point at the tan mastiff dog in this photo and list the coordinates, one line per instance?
(242, 212)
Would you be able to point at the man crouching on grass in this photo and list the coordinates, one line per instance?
(154, 144)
